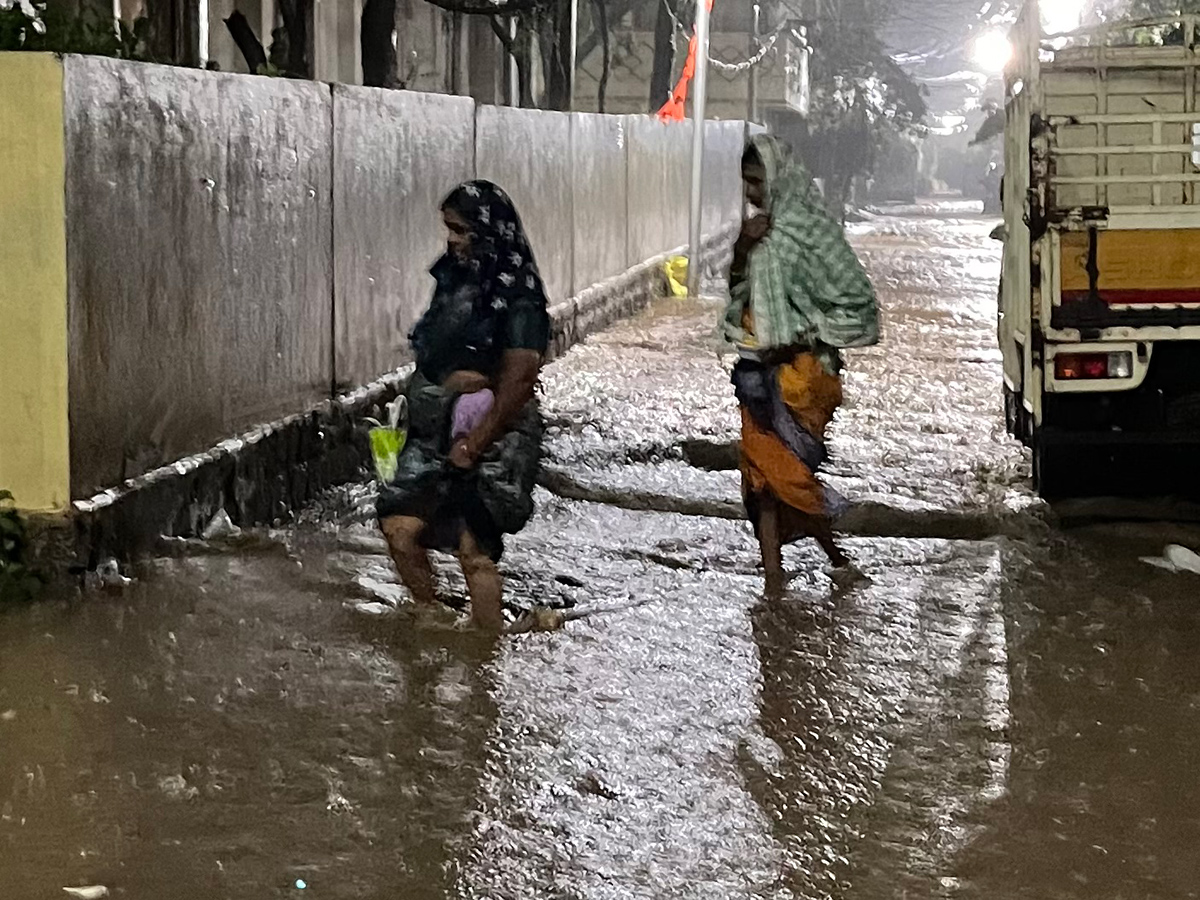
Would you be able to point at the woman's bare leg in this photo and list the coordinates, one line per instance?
(820, 529)
(770, 542)
(484, 583)
(412, 562)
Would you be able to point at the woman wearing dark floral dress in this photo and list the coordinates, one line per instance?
(466, 475)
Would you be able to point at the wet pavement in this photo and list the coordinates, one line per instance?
(1006, 718)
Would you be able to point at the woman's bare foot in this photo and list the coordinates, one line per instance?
(847, 576)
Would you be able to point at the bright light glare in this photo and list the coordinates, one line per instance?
(1062, 15)
(992, 51)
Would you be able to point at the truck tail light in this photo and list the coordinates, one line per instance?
(1093, 366)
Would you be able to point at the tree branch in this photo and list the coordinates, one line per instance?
(507, 8)
(247, 42)
(592, 41)
(505, 38)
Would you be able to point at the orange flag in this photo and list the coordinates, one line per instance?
(675, 109)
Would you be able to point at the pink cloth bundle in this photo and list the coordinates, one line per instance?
(469, 411)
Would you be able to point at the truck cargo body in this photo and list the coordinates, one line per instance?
(1099, 310)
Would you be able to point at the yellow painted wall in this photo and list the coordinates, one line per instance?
(34, 431)
(1167, 259)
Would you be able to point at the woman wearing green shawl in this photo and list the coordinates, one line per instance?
(799, 296)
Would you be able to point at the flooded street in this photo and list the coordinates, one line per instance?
(1005, 718)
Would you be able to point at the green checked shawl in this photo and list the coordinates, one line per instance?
(803, 283)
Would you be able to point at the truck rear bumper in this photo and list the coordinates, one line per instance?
(1067, 437)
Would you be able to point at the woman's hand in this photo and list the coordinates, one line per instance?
(463, 455)
(514, 388)
(465, 381)
(753, 231)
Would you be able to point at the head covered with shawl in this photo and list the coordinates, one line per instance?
(497, 252)
(804, 284)
(489, 260)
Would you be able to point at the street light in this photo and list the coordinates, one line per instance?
(992, 51)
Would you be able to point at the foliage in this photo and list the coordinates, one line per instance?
(18, 581)
(861, 99)
(39, 28)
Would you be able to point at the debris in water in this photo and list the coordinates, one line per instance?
(106, 576)
(539, 618)
(1176, 559)
(384, 592)
(177, 788)
(9, 715)
(90, 892)
(220, 528)
(301, 884)
(371, 608)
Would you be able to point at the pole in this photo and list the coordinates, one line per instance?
(512, 91)
(754, 48)
(696, 213)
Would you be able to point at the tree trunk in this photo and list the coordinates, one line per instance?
(523, 56)
(664, 56)
(174, 36)
(520, 49)
(247, 42)
(375, 37)
(555, 40)
(606, 48)
(296, 17)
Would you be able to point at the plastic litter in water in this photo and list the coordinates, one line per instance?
(1176, 559)
(220, 527)
(301, 884)
(90, 892)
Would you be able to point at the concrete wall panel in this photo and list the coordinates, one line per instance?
(723, 144)
(598, 152)
(528, 153)
(659, 178)
(199, 246)
(397, 155)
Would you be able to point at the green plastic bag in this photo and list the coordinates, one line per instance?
(388, 440)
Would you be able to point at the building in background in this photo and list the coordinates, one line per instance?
(760, 51)
(758, 70)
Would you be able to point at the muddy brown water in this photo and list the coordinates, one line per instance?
(1008, 718)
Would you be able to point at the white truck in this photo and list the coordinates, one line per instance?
(1099, 307)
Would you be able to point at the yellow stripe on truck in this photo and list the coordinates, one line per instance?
(1146, 260)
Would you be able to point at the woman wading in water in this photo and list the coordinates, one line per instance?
(799, 296)
(466, 475)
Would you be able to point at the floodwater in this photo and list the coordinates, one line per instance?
(1010, 718)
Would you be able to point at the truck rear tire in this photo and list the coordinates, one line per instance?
(1050, 474)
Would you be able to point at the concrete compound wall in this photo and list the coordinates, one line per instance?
(528, 153)
(398, 154)
(239, 249)
(600, 193)
(199, 259)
